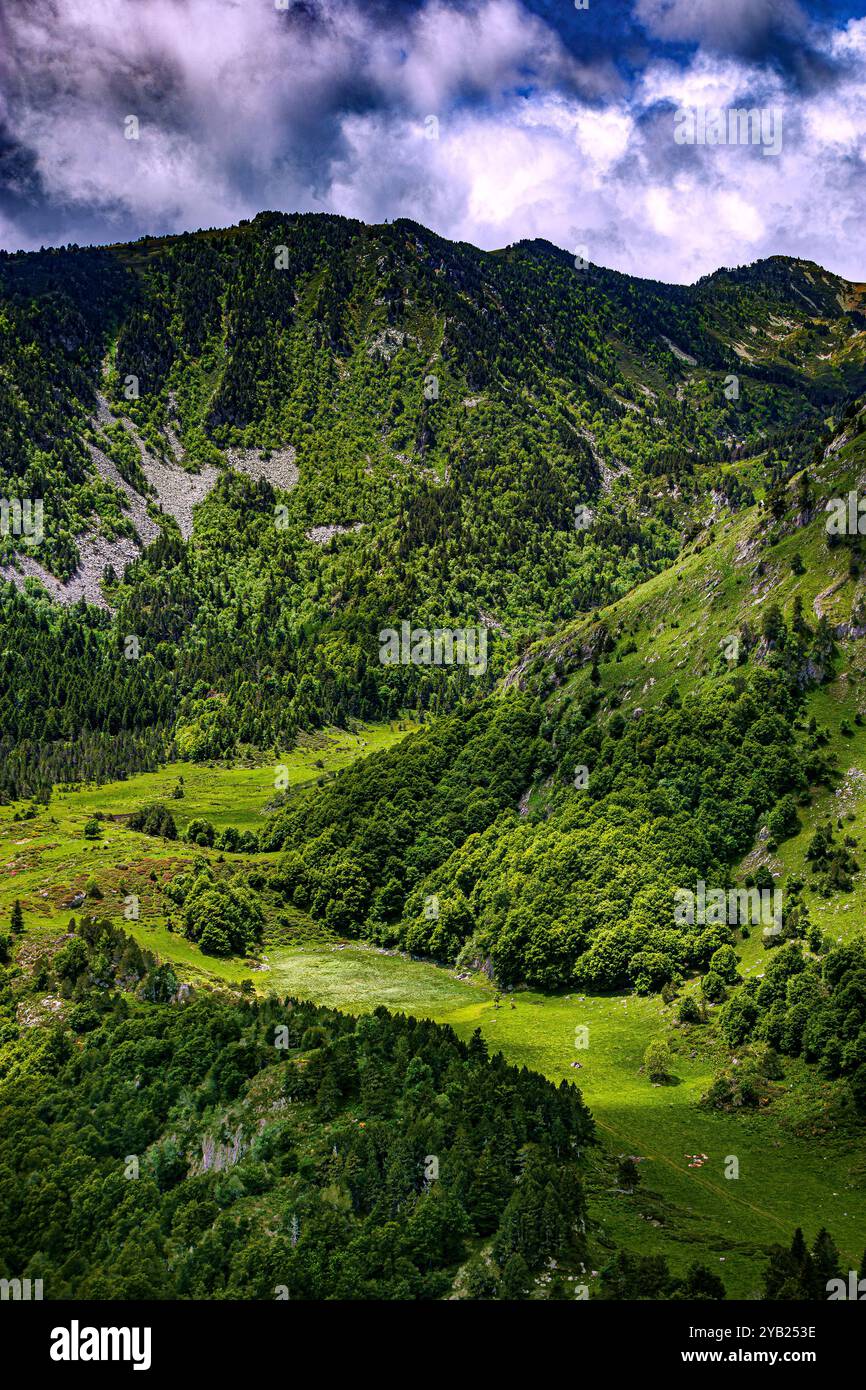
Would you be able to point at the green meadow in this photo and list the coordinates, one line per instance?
(785, 1177)
(797, 1161)
(45, 859)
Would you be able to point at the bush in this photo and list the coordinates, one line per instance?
(154, 819)
(723, 962)
(713, 987)
(627, 1174)
(223, 919)
(657, 1060)
(783, 821)
(200, 832)
(83, 1018)
(689, 1010)
(71, 960)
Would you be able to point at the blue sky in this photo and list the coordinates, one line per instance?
(487, 120)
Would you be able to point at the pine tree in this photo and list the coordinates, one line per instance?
(627, 1175)
(799, 1252)
(825, 1258)
(516, 1278)
(701, 1283)
(488, 1193)
(17, 919)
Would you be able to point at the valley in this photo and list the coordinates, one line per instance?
(250, 768)
(678, 1210)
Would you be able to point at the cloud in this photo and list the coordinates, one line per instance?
(237, 103)
(735, 26)
(774, 33)
(330, 105)
(611, 177)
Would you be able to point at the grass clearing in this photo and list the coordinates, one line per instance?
(45, 861)
(797, 1165)
(785, 1179)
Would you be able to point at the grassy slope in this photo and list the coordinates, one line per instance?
(45, 861)
(703, 1215)
(677, 620)
(785, 1179)
(680, 618)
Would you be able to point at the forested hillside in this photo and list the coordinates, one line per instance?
(547, 832)
(256, 452)
(668, 740)
(158, 1146)
(376, 426)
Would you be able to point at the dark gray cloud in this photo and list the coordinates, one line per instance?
(748, 28)
(779, 34)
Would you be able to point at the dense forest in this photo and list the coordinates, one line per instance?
(455, 419)
(161, 1145)
(425, 846)
(260, 450)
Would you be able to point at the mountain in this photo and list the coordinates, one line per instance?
(640, 749)
(258, 450)
(283, 375)
(376, 426)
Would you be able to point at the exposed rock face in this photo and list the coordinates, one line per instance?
(322, 535)
(216, 1156)
(172, 490)
(279, 469)
(680, 353)
(96, 552)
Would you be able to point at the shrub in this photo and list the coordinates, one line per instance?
(724, 963)
(657, 1060)
(689, 1010)
(200, 832)
(223, 919)
(154, 819)
(783, 821)
(713, 987)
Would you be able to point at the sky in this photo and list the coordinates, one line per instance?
(593, 124)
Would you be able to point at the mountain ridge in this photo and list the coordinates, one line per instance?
(446, 419)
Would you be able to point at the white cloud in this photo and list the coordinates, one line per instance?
(243, 108)
(705, 81)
